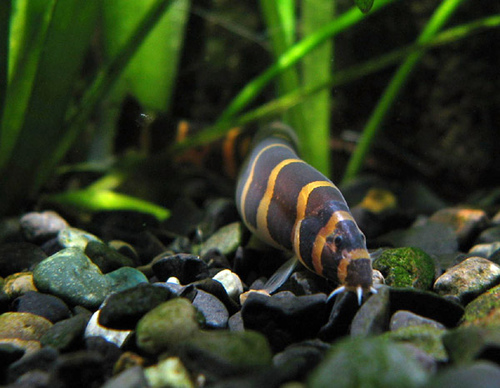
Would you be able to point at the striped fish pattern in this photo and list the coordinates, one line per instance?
(290, 205)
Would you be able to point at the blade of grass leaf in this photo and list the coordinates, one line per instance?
(316, 68)
(67, 39)
(278, 106)
(436, 22)
(293, 55)
(28, 24)
(105, 80)
(280, 20)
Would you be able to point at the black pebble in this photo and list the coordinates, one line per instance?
(123, 310)
(215, 288)
(108, 350)
(82, 369)
(214, 311)
(18, 257)
(47, 306)
(43, 359)
(285, 318)
(185, 267)
(106, 258)
(66, 334)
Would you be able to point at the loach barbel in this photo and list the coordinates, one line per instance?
(290, 205)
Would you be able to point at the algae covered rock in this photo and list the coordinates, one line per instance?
(406, 267)
(167, 325)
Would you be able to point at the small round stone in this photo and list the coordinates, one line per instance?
(23, 326)
(404, 318)
(70, 275)
(125, 278)
(166, 325)
(66, 334)
(468, 279)
(40, 227)
(484, 310)
(214, 311)
(18, 284)
(231, 282)
(47, 306)
(227, 239)
(18, 257)
(106, 258)
(118, 337)
(75, 238)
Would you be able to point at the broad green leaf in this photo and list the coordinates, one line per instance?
(151, 74)
(364, 5)
(29, 20)
(67, 38)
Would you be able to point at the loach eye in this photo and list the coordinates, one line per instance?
(338, 241)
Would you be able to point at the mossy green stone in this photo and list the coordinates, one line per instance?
(484, 310)
(70, 275)
(239, 349)
(424, 337)
(226, 239)
(368, 362)
(167, 325)
(406, 267)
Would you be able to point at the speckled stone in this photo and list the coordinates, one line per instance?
(226, 239)
(166, 325)
(125, 278)
(70, 275)
(39, 227)
(406, 267)
(47, 306)
(424, 337)
(19, 256)
(75, 238)
(169, 372)
(23, 326)
(468, 279)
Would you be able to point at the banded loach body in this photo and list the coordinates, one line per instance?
(290, 205)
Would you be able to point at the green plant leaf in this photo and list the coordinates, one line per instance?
(5, 7)
(67, 38)
(92, 200)
(364, 5)
(151, 74)
(27, 30)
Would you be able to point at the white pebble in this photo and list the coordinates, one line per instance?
(118, 337)
(231, 283)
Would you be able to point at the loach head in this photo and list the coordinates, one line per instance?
(346, 259)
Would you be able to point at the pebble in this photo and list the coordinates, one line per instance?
(78, 369)
(223, 353)
(341, 315)
(26, 346)
(44, 305)
(18, 284)
(373, 316)
(71, 276)
(23, 326)
(186, 267)
(169, 372)
(75, 238)
(231, 283)
(468, 343)
(168, 324)
(489, 236)
(117, 337)
(485, 250)
(19, 256)
(285, 318)
(109, 351)
(125, 278)
(406, 267)
(227, 239)
(106, 258)
(214, 311)
(217, 289)
(425, 337)
(66, 334)
(133, 377)
(468, 279)
(368, 362)
(480, 374)
(466, 223)
(43, 359)
(404, 318)
(122, 310)
(38, 227)
(484, 310)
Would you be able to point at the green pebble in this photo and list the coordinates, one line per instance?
(226, 239)
(368, 362)
(70, 275)
(424, 337)
(125, 278)
(465, 344)
(168, 373)
(167, 325)
(241, 350)
(75, 238)
(106, 258)
(67, 333)
(406, 267)
(484, 310)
